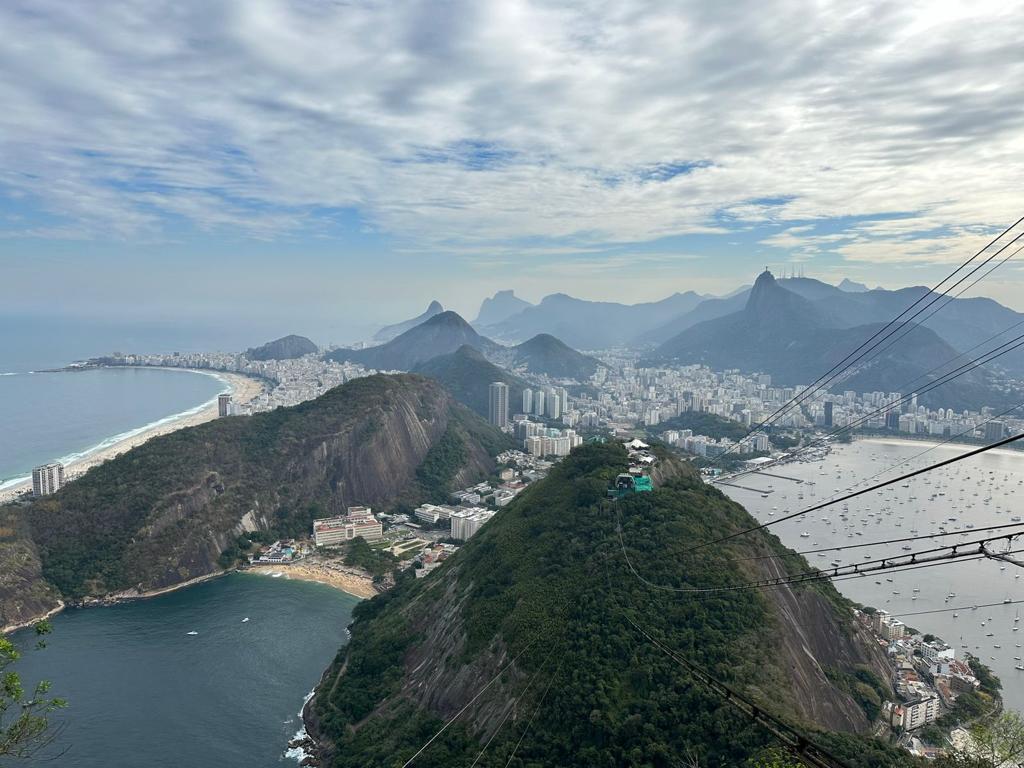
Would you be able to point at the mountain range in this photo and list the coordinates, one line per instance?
(963, 323)
(447, 332)
(792, 330)
(590, 324)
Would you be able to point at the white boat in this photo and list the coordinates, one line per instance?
(193, 632)
(245, 619)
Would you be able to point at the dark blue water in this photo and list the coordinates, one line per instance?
(50, 416)
(144, 692)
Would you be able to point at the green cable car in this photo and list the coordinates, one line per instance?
(626, 484)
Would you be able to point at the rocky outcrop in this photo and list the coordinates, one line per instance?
(24, 596)
(163, 513)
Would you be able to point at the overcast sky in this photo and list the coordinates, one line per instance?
(312, 159)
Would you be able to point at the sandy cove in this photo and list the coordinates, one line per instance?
(243, 390)
(340, 577)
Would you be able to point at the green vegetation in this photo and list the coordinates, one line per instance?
(442, 462)
(705, 424)
(24, 716)
(374, 560)
(545, 583)
(866, 688)
(146, 517)
(467, 374)
(996, 741)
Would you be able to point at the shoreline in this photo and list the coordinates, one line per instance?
(243, 389)
(886, 440)
(320, 573)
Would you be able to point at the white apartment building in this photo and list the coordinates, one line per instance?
(466, 522)
(433, 513)
(359, 522)
(47, 479)
(920, 712)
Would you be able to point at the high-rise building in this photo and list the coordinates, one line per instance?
(497, 410)
(554, 405)
(527, 400)
(994, 431)
(223, 405)
(828, 413)
(538, 403)
(47, 479)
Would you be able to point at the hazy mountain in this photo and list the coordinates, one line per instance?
(467, 374)
(796, 340)
(963, 323)
(591, 324)
(439, 335)
(498, 307)
(285, 348)
(544, 355)
(850, 286)
(389, 332)
(708, 309)
(534, 614)
(164, 512)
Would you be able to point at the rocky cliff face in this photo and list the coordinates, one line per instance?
(163, 513)
(24, 596)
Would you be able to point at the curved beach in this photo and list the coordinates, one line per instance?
(243, 390)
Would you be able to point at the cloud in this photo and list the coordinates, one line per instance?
(477, 126)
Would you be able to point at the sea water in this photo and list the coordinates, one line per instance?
(142, 690)
(987, 490)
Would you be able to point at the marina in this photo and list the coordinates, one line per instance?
(955, 505)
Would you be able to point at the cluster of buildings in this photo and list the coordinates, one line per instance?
(894, 412)
(627, 396)
(927, 676)
(702, 445)
(545, 402)
(290, 381)
(359, 522)
(280, 552)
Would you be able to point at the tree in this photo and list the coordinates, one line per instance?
(994, 742)
(24, 717)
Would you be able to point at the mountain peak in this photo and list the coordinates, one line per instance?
(850, 286)
(389, 332)
(499, 307)
(764, 279)
(447, 318)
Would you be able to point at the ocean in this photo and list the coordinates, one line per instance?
(63, 415)
(962, 498)
(143, 691)
(59, 416)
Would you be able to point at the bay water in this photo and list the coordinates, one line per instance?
(142, 690)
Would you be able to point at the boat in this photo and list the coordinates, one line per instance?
(193, 632)
(805, 535)
(245, 619)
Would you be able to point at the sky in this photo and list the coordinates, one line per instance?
(328, 166)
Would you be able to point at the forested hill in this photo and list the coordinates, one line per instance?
(543, 592)
(163, 513)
